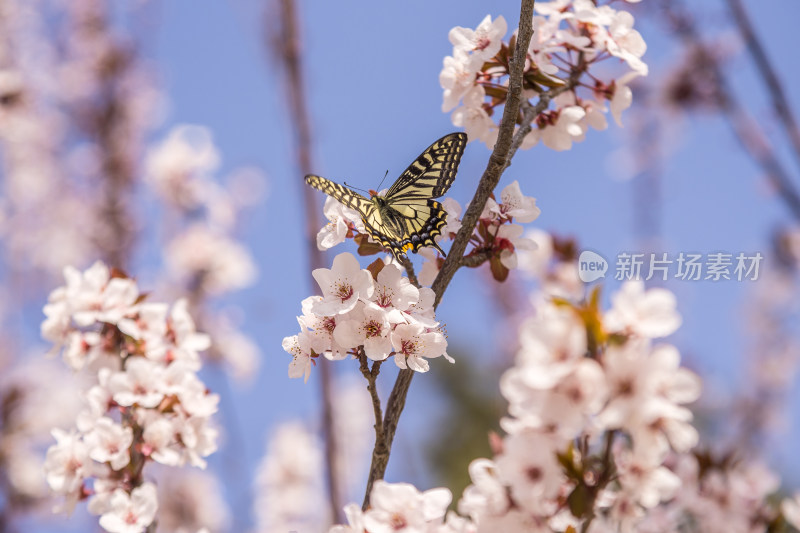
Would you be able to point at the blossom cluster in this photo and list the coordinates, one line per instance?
(202, 256)
(145, 402)
(571, 40)
(288, 478)
(598, 435)
(375, 313)
(496, 238)
(595, 410)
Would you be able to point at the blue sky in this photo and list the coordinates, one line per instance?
(375, 100)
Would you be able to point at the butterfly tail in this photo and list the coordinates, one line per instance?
(436, 245)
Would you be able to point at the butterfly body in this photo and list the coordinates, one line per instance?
(407, 217)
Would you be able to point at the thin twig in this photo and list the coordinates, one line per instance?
(286, 44)
(780, 103)
(745, 128)
(380, 450)
(498, 162)
(409, 266)
(475, 259)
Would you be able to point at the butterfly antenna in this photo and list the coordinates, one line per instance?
(384, 177)
(356, 188)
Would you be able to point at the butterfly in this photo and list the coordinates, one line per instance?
(407, 217)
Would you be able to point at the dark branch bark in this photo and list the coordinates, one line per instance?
(745, 127)
(780, 103)
(286, 44)
(498, 161)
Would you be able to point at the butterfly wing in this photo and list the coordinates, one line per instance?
(412, 210)
(432, 173)
(345, 195)
(409, 217)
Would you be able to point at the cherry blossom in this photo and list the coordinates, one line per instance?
(477, 73)
(413, 345)
(643, 313)
(517, 205)
(131, 513)
(368, 327)
(301, 348)
(376, 313)
(342, 286)
(109, 442)
(481, 43)
(401, 507)
(341, 220)
(144, 401)
(287, 479)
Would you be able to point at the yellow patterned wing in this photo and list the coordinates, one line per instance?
(432, 173)
(345, 195)
(407, 217)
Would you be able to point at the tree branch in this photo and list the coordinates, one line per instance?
(745, 128)
(380, 453)
(780, 103)
(286, 45)
(498, 161)
(409, 266)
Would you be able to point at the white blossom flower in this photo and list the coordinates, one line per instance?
(342, 286)
(626, 43)
(456, 78)
(430, 266)
(131, 513)
(355, 520)
(67, 462)
(340, 217)
(401, 507)
(158, 440)
(643, 476)
(288, 479)
(301, 347)
(487, 494)
(453, 209)
(110, 442)
(515, 204)
(472, 116)
(177, 166)
(508, 237)
(413, 345)
(790, 507)
(322, 328)
(393, 293)
(139, 384)
(210, 258)
(645, 390)
(367, 326)
(552, 345)
(648, 314)
(566, 128)
(534, 478)
(623, 96)
(482, 43)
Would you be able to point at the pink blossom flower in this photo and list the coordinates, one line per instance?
(401, 507)
(342, 286)
(367, 326)
(131, 513)
(413, 345)
(109, 442)
(647, 314)
(482, 43)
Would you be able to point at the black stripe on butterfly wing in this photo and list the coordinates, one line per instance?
(344, 195)
(432, 173)
(430, 223)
